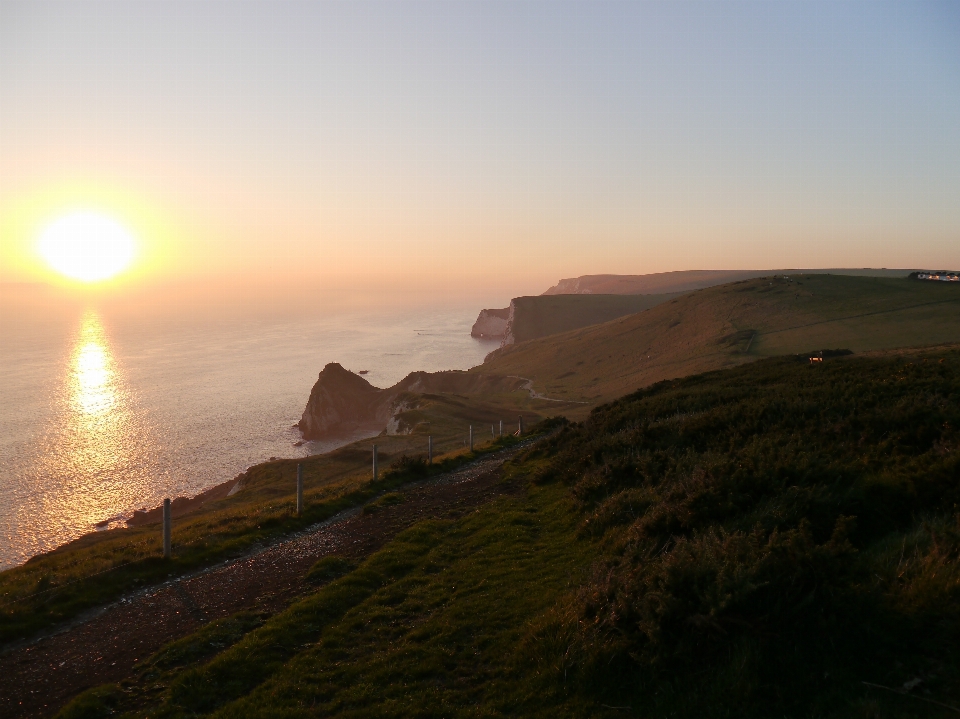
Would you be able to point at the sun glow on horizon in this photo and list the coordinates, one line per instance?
(87, 246)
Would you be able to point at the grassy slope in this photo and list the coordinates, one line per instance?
(100, 566)
(431, 625)
(704, 330)
(753, 542)
(551, 314)
(711, 329)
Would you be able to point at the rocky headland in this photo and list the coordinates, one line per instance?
(342, 401)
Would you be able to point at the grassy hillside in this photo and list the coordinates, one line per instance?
(100, 566)
(777, 539)
(687, 280)
(551, 314)
(732, 324)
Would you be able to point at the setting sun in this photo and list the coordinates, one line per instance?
(87, 246)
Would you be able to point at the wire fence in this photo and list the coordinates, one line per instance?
(180, 545)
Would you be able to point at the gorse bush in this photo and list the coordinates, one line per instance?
(771, 504)
(408, 466)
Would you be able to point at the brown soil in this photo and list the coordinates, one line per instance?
(39, 677)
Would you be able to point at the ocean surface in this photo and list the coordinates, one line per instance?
(102, 412)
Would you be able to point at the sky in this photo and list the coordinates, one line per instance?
(457, 145)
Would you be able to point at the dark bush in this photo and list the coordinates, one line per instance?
(408, 466)
(749, 507)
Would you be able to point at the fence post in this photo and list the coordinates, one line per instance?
(493, 431)
(520, 425)
(299, 489)
(471, 437)
(374, 463)
(167, 526)
(501, 427)
(430, 449)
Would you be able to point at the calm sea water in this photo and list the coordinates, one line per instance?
(102, 413)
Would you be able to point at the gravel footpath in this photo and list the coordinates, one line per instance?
(38, 677)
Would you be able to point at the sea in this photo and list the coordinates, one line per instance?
(105, 409)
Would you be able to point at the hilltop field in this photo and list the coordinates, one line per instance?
(543, 315)
(729, 325)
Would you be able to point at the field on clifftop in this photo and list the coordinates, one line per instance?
(731, 324)
(776, 539)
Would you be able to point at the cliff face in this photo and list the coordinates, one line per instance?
(529, 318)
(491, 323)
(342, 402)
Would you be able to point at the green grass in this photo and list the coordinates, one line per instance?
(545, 315)
(732, 324)
(776, 540)
(100, 567)
(419, 629)
(718, 327)
(783, 531)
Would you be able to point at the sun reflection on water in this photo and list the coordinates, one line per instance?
(92, 467)
(92, 378)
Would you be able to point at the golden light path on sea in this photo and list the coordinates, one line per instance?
(93, 390)
(90, 459)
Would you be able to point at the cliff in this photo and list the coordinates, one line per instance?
(491, 323)
(529, 318)
(342, 402)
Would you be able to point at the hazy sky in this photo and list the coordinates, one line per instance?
(461, 143)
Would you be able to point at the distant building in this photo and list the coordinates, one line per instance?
(936, 276)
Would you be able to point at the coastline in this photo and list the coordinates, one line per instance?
(184, 505)
(181, 505)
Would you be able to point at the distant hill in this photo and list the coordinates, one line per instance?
(731, 324)
(533, 317)
(528, 318)
(686, 280)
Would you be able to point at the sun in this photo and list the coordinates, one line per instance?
(87, 246)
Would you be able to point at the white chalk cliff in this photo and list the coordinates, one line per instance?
(491, 324)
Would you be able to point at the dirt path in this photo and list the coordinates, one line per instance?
(528, 387)
(38, 678)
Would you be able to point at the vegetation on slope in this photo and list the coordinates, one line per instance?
(778, 539)
(687, 280)
(102, 566)
(732, 324)
(722, 326)
(545, 315)
(783, 531)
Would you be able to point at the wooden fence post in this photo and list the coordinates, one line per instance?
(299, 489)
(167, 527)
(430, 449)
